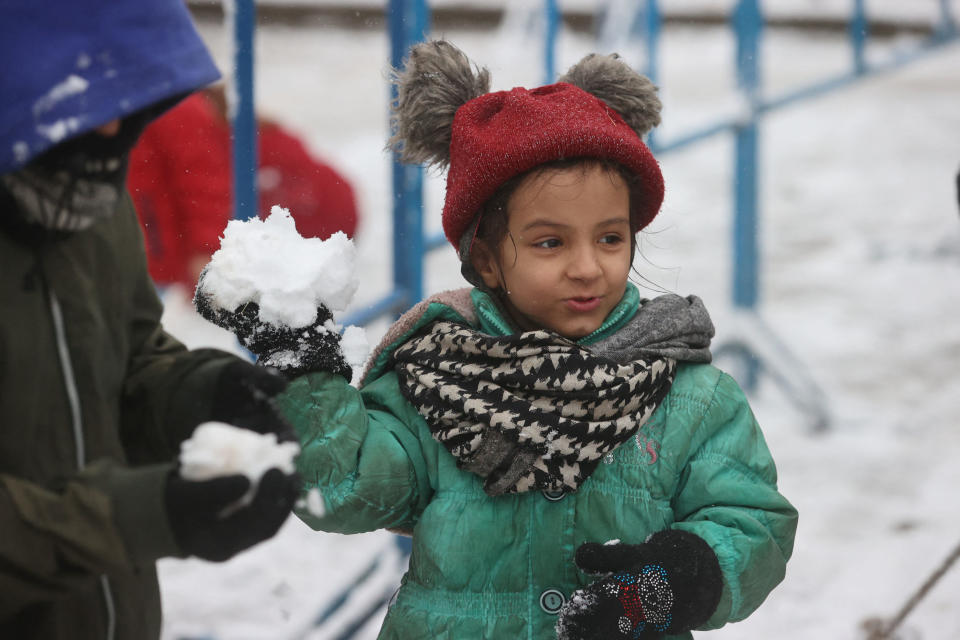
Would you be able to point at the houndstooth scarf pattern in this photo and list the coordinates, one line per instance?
(527, 411)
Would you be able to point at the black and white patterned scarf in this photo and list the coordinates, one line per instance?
(527, 411)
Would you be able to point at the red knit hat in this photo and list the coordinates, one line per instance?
(445, 115)
(501, 135)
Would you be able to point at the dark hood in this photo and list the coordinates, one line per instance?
(69, 67)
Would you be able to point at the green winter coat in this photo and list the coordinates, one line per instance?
(499, 567)
(80, 527)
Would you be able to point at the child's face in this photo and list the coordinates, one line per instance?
(565, 260)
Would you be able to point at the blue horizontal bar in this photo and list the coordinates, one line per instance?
(435, 241)
(803, 93)
(393, 303)
(720, 127)
(824, 86)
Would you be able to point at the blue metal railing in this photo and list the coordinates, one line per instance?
(242, 111)
(552, 28)
(409, 22)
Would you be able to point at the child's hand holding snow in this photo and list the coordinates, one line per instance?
(277, 291)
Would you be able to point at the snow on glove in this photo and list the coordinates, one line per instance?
(669, 584)
(294, 351)
(277, 291)
(207, 523)
(243, 397)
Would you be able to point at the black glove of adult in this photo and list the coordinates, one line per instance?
(669, 584)
(207, 523)
(292, 351)
(243, 397)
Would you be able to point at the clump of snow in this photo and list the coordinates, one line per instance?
(71, 86)
(355, 346)
(268, 262)
(60, 129)
(282, 360)
(580, 602)
(219, 449)
(21, 151)
(313, 503)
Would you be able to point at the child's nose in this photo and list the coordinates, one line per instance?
(584, 264)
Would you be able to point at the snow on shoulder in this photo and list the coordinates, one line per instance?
(268, 262)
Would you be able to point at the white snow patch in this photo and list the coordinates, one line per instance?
(70, 87)
(287, 275)
(21, 151)
(313, 503)
(219, 449)
(355, 346)
(60, 129)
(282, 359)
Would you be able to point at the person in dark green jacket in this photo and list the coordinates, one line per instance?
(567, 461)
(95, 397)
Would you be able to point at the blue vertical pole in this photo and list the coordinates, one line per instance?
(409, 21)
(857, 29)
(653, 21)
(243, 120)
(552, 21)
(748, 22)
(946, 27)
(652, 24)
(746, 263)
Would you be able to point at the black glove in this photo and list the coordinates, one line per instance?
(669, 584)
(292, 351)
(207, 524)
(243, 397)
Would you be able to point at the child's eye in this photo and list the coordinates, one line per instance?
(611, 238)
(549, 243)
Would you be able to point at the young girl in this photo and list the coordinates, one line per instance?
(566, 460)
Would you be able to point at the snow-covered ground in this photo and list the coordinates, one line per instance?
(861, 283)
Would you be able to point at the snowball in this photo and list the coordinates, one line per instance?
(219, 449)
(268, 262)
(355, 346)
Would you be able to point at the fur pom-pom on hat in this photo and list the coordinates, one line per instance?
(437, 79)
(444, 116)
(624, 90)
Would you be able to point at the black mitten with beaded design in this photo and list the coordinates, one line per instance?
(669, 584)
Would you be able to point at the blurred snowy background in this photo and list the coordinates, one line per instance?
(860, 243)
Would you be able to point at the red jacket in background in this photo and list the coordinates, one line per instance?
(320, 199)
(181, 182)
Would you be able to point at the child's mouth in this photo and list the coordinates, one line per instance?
(583, 304)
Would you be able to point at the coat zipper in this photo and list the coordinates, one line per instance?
(73, 397)
(69, 381)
